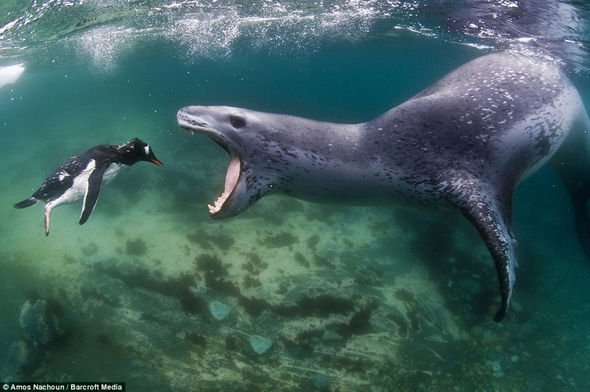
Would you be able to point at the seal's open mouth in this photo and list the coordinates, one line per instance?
(234, 170)
(231, 180)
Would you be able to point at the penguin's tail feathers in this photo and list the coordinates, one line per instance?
(26, 203)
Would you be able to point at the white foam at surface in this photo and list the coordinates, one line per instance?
(104, 43)
(10, 74)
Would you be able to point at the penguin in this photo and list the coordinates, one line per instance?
(83, 174)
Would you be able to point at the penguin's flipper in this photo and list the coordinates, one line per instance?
(92, 192)
(489, 210)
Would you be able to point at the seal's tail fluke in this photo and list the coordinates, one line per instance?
(26, 203)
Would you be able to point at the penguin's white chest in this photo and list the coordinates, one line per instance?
(78, 188)
(111, 172)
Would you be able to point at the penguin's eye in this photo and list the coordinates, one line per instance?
(237, 121)
(147, 150)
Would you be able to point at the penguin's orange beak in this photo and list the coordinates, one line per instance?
(157, 162)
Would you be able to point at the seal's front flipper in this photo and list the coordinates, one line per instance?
(491, 217)
(92, 192)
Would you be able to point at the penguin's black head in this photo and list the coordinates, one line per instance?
(136, 150)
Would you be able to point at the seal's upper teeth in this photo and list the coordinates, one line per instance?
(192, 132)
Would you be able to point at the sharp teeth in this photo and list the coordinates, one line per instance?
(231, 180)
(192, 132)
(213, 208)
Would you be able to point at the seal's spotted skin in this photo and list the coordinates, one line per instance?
(463, 143)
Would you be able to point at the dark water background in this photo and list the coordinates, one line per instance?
(410, 294)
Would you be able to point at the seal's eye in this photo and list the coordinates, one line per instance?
(237, 121)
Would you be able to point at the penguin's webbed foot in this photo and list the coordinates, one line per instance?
(47, 221)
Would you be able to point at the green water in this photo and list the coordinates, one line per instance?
(352, 298)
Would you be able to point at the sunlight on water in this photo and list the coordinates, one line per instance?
(10, 74)
(104, 45)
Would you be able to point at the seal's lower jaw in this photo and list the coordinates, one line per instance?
(232, 177)
(221, 206)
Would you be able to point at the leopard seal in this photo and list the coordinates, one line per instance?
(464, 143)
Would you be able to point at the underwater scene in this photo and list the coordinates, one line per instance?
(289, 294)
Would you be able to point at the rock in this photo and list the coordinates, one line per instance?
(321, 382)
(20, 354)
(219, 310)
(572, 382)
(89, 249)
(477, 331)
(490, 339)
(516, 306)
(260, 344)
(496, 368)
(23, 359)
(331, 336)
(40, 325)
(471, 287)
(136, 247)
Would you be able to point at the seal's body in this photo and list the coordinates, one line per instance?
(82, 176)
(463, 143)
